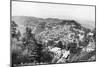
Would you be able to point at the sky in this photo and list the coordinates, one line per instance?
(44, 10)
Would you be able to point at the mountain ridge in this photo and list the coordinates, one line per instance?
(31, 21)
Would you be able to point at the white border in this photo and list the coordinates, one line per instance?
(5, 33)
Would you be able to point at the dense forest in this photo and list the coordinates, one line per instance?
(49, 41)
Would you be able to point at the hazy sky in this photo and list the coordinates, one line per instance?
(43, 10)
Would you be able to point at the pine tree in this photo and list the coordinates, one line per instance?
(13, 29)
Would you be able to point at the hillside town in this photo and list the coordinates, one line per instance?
(48, 43)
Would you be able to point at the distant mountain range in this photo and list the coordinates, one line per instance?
(33, 21)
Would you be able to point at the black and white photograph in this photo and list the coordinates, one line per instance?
(44, 33)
